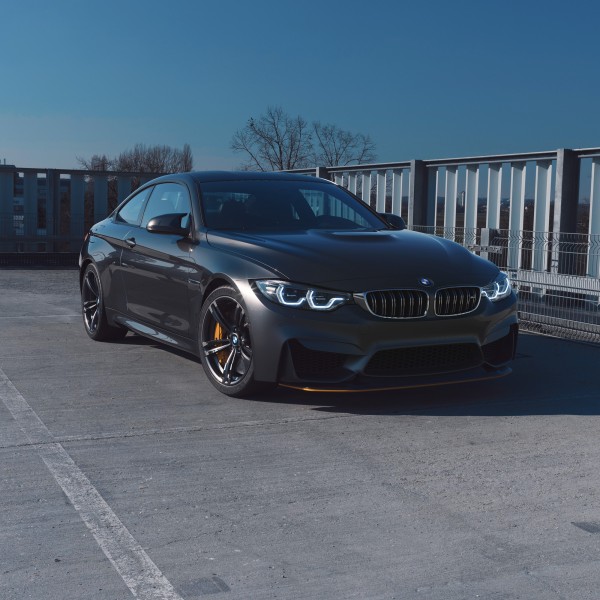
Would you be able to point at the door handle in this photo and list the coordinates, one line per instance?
(130, 242)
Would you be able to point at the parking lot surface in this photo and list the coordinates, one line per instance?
(124, 473)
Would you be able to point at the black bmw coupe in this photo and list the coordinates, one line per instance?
(287, 279)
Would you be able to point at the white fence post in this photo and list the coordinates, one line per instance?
(494, 196)
(515, 219)
(352, 181)
(471, 204)
(397, 192)
(450, 197)
(380, 197)
(541, 215)
(366, 187)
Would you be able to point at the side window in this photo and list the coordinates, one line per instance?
(132, 211)
(168, 198)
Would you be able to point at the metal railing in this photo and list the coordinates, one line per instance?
(537, 215)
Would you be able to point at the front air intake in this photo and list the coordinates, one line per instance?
(422, 360)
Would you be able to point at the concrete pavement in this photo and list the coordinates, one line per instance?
(123, 471)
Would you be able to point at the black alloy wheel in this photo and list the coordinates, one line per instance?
(92, 308)
(226, 345)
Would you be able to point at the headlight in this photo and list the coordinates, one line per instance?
(498, 289)
(296, 295)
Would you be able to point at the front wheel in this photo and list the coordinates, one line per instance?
(225, 344)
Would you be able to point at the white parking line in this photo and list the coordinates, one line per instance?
(139, 573)
(40, 316)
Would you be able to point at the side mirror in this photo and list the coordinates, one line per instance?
(393, 220)
(170, 223)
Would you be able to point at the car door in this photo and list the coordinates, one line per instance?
(156, 266)
(114, 232)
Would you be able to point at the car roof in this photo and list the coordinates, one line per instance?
(204, 176)
(200, 177)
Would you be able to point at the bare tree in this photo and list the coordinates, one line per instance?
(336, 147)
(140, 159)
(98, 162)
(143, 159)
(274, 141)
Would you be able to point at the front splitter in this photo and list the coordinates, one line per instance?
(404, 384)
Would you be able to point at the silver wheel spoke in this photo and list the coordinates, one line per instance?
(224, 345)
(90, 305)
(218, 317)
(227, 369)
(89, 280)
(238, 316)
(246, 352)
(91, 302)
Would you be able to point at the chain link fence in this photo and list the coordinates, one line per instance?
(556, 276)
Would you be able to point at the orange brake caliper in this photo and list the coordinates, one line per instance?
(221, 356)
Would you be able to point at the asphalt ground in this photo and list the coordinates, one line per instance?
(124, 473)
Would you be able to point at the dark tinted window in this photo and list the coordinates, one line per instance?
(255, 205)
(132, 211)
(168, 198)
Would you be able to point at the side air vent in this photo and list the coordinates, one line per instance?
(314, 363)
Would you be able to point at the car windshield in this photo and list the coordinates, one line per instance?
(256, 205)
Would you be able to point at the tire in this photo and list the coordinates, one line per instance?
(92, 308)
(225, 344)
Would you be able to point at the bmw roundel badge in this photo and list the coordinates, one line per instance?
(426, 282)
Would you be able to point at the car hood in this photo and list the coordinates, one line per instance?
(359, 260)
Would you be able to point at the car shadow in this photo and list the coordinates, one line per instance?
(134, 339)
(480, 399)
(550, 377)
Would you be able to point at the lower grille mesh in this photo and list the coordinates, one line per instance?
(424, 360)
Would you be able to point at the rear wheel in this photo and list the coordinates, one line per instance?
(92, 309)
(225, 344)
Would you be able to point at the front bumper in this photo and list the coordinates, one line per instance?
(351, 348)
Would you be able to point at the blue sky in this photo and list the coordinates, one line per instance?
(425, 79)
